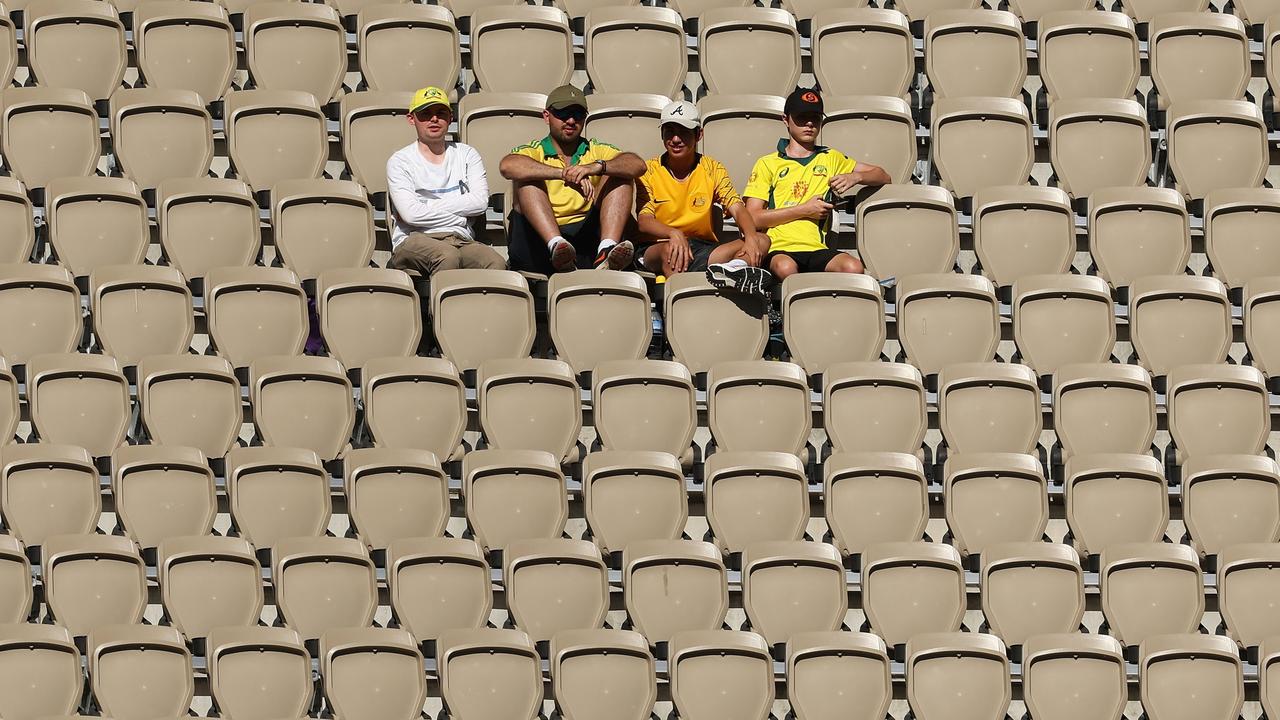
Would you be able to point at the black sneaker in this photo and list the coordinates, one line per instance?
(748, 280)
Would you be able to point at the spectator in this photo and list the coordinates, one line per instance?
(790, 192)
(436, 186)
(573, 195)
(676, 196)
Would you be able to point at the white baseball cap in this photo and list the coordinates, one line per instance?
(684, 114)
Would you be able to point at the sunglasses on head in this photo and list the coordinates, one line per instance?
(434, 111)
(573, 112)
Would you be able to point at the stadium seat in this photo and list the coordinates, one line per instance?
(1198, 56)
(633, 495)
(1022, 230)
(635, 49)
(838, 675)
(1114, 498)
(404, 46)
(209, 582)
(748, 50)
(874, 497)
(96, 221)
(989, 407)
(553, 585)
(529, 404)
(48, 133)
(438, 584)
(1217, 409)
(352, 8)
(1035, 10)
(1190, 676)
(693, 9)
(48, 490)
(159, 134)
(1143, 11)
(597, 317)
(302, 402)
(16, 218)
(493, 123)
(394, 494)
(373, 129)
(919, 10)
(1267, 679)
(1104, 408)
(207, 223)
(140, 671)
(255, 312)
(415, 403)
(907, 230)
(8, 50)
(671, 586)
(912, 588)
(981, 142)
(874, 406)
(1151, 589)
(737, 128)
(876, 130)
(140, 310)
(92, 581)
(1066, 676)
(945, 319)
(295, 46)
(1255, 12)
(518, 48)
(322, 225)
(39, 311)
(862, 51)
(1138, 231)
(706, 325)
(184, 47)
(162, 492)
(1238, 224)
(276, 493)
(993, 498)
(1215, 145)
(793, 587)
(191, 401)
(1061, 320)
(76, 44)
(40, 672)
(372, 672)
(759, 405)
(755, 496)
(957, 675)
(78, 399)
(481, 315)
(1229, 500)
(274, 135)
(259, 672)
(828, 318)
(323, 583)
(1099, 143)
(488, 673)
(1179, 320)
(16, 594)
(1246, 588)
(513, 495)
(1031, 589)
(597, 674)
(720, 674)
(627, 120)
(10, 411)
(1259, 318)
(644, 405)
(368, 313)
(975, 53)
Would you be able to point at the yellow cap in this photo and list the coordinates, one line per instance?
(428, 96)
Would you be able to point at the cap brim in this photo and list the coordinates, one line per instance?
(426, 105)
(682, 122)
(562, 104)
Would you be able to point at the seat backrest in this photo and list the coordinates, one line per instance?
(1138, 231)
(259, 671)
(644, 405)
(323, 583)
(322, 225)
(1259, 317)
(628, 121)
(1235, 223)
(276, 493)
(368, 313)
(481, 315)
(16, 219)
(720, 674)
(874, 497)
(513, 495)
(75, 44)
(1218, 409)
(957, 675)
(403, 47)
(635, 49)
(209, 582)
(919, 10)
(603, 673)
(207, 223)
(162, 492)
(529, 404)
(1151, 589)
(8, 51)
(275, 135)
(633, 495)
(874, 406)
(1030, 589)
(293, 46)
(396, 393)
(159, 134)
(875, 130)
(553, 585)
(91, 581)
(1104, 408)
(963, 306)
(96, 221)
(190, 400)
(674, 585)
(41, 673)
(1035, 10)
(493, 123)
(255, 312)
(1230, 500)
(975, 53)
(1056, 666)
(374, 128)
(140, 671)
(1021, 230)
(39, 311)
(1179, 320)
(489, 673)
(706, 325)
(180, 47)
(15, 574)
(1063, 320)
(793, 587)
(981, 142)
(140, 310)
(521, 48)
(1215, 144)
(48, 489)
(886, 246)
(1190, 676)
(1085, 53)
(372, 672)
(738, 129)
(1246, 577)
(877, 42)
(438, 584)
(993, 498)
(838, 675)
(597, 317)
(1099, 143)
(832, 317)
(749, 50)
(755, 496)
(1198, 56)
(1115, 498)
(79, 399)
(302, 402)
(758, 405)
(393, 494)
(48, 133)
(989, 407)
(912, 588)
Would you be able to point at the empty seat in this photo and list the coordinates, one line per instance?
(96, 221)
(793, 587)
(529, 404)
(10, 411)
(1190, 676)
(255, 312)
(368, 313)
(994, 498)
(1104, 408)
(15, 582)
(1061, 320)
(671, 586)
(989, 407)
(957, 675)
(758, 405)
(274, 135)
(635, 49)
(322, 225)
(644, 405)
(322, 583)
(372, 672)
(1259, 320)
(302, 402)
(1022, 230)
(181, 47)
(162, 492)
(1138, 231)
(1115, 498)
(735, 130)
(373, 127)
(553, 585)
(276, 493)
(209, 582)
(16, 219)
(259, 672)
(520, 48)
(140, 671)
(1216, 144)
(489, 673)
(75, 44)
(1144, 10)
(975, 53)
(438, 584)
(1151, 589)
(207, 223)
(1267, 678)
(1215, 409)
(1030, 589)
(627, 120)
(599, 674)
(1035, 10)
(912, 588)
(1085, 53)
(1099, 143)
(140, 310)
(1238, 226)
(945, 319)
(513, 495)
(749, 50)
(158, 134)
(1247, 584)
(292, 46)
(39, 311)
(633, 495)
(706, 325)
(597, 317)
(91, 581)
(830, 318)
(1198, 56)
(1179, 320)
(875, 44)
(481, 315)
(40, 671)
(8, 51)
(190, 400)
(720, 674)
(874, 406)
(873, 497)
(906, 230)
(755, 496)
(394, 494)
(48, 133)
(414, 403)
(47, 490)
(403, 47)
(981, 142)
(838, 675)
(488, 121)
(875, 130)
(1230, 499)
(1066, 676)
(78, 399)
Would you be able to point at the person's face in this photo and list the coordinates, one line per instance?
(566, 124)
(431, 123)
(803, 127)
(679, 141)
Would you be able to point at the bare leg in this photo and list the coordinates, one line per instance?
(534, 204)
(783, 267)
(845, 263)
(616, 200)
(725, 252)
(655, 259)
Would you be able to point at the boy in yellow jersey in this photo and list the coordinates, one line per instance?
(787, 190)
(676, 196)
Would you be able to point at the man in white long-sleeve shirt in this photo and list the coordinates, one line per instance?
(436, 186)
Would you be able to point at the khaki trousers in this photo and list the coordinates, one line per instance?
(428, 252)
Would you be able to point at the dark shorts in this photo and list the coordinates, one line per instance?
(701, 250)
(527, 251)
(806, 261)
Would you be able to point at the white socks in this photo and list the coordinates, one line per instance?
(552, 242)
(736, 264)
(605, 245)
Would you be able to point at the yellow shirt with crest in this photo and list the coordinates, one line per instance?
(686, 205)
(567, 203)
(782, 182)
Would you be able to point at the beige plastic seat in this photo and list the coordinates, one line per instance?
(874, 497)
(981, 142)
(599, 674)
(1061, 320)
(91, 581)
(1218, 409)
(736, 130)
(529, 404)
(1031, 589)
(1190, 676)
(39, 311)
(190, 400)
(159, 134)
(1085, 53)
(322, 583)
(874, 406)
(162, 492)
(597, 317)
(491, 121)
(75, 44)
(140, 671)
(394, 494)
(1138, 231)
(834, 675)
(322, 225)
(627, 120)
(402, 47)
(633, 495)
(438, 584)
(1198, 56)
(276, 493)
(1229, 500)
(8, 50)
(989, 407)
(644, 405)
(945, 319)
(48, 133)
(907, 230)
(373, 128)
(1179, 320)
(829, 318)
(1144, 10)
(520, 48)
(415, 403)
(755, 496)
(275, 135)
(720, 674)
(873, 129)
(1115, 498)
(302, 402)
(255, 312)
(706, 325)
(259, 672)
(961, 676)
(209, 582)
(10, 411)
(1259, 317)
(140, 310)
(671, 586)
(295, 46)
(553, 585)
(1066, 676)
(96, 221)
(15, 579)
(1237, 226)
(1104, 408)
(1246, 588)
(1099, 143)
(910, 588)
(1151, 589)
(372, 672)
(758, 405)
(793, 587)
(207, 223)
(749, 50)
(635, 49)
(180, 47)
(1021, 230)
(40, 671)
(1267, 679)
(78, 399)
(47, 490)
(993, 498)
(368, 313)
(481, 315)
(513, 495)
(975, 53)
(16, 219)
(1035, 10)
(1215, 145)
(862, 51)
(488, 673)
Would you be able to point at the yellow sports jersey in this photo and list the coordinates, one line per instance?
(567, 203)
(686, 204)
(782, 182)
